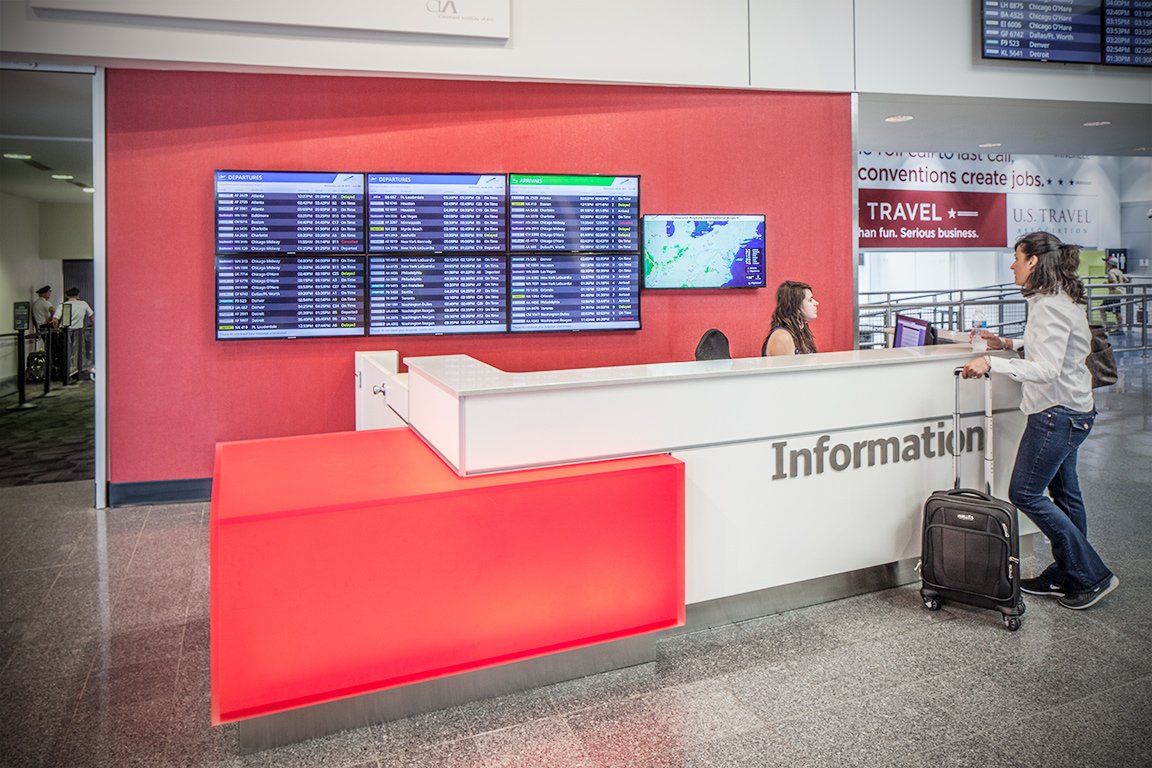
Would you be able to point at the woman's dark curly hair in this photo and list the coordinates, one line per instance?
(1056, 266)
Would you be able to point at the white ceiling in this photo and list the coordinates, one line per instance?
(47, 115)
(1022, 127)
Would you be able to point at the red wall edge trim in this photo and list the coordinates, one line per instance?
(174, 391)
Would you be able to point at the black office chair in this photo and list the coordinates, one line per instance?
(713, 346)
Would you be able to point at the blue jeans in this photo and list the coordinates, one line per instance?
(1047, 459)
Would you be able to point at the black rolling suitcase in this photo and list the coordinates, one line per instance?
(971, 544)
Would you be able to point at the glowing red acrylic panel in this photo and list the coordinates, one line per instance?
(353, 562)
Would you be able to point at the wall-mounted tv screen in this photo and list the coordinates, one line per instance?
(414, 294)
(437, 213)
(574, 292)
(698, 251)
(289, 212)
(1066, 31)
(591, 214)
(288, 297)
(1127, 26)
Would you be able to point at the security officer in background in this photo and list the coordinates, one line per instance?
(43, 313)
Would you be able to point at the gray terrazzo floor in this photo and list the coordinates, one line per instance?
(104, 660)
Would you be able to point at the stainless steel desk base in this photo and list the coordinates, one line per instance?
(396, 703)
(788, 597)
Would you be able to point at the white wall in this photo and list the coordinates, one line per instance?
(681, 42)
(932, 47)
(1135, 179)
(65, 231)
(915, 47)
(22, 270)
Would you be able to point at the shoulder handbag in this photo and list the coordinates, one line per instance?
(1100, 361)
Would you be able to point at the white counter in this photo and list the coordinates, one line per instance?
(796, 467)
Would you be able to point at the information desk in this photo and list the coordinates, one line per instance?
(354, 562)
(798, 468)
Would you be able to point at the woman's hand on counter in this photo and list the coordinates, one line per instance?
(994, 341)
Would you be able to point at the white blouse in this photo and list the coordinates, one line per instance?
(1056, 343)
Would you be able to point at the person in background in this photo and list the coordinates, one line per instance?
(81, 311)
(1112, 305)
(1056, 392)
(795, 309)
(43, 313)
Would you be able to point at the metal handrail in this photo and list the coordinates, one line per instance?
(1005, 309)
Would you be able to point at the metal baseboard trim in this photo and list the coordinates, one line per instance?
(296, 725)
(160, 492)
(802, 594)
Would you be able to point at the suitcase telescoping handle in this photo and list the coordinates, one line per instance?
(957, 448)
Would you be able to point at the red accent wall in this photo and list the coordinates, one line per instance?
(174, 390)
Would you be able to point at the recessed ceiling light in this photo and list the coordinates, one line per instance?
(1144, 149)
(1097, 123)
(898, 118)
(89, 190)
(62, 176)
(17, 156)
(989, 146)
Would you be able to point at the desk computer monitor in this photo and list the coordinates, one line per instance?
(910, 332)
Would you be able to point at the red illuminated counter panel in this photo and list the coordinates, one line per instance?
(350, 563)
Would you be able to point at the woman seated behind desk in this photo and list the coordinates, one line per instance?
(795, 308)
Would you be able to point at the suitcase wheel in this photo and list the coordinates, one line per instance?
(1020, 608)
(1012, 623)
(932, 603)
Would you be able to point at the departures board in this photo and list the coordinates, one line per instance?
(288, 297)
(574, 292)
(1108, 32)
(590, 214)
(437, 213)
(289, 212)
(313, 254)
(1128, 32)
(413, 294)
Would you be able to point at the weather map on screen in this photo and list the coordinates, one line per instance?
(691, 251)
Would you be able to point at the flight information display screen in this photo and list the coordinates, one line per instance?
(436, 213)
(692, 251)
(414, 294)
(1042, 30)
(285, 297)
(574, 213)
(289, 212)
(574, 292)
(1128, 32)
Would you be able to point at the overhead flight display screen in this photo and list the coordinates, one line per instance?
(1042, 30)
(289, 212)
(436, 213)
(1128, 32)
(415, 294)
(574, 292)
(574, 213)
(284, 297)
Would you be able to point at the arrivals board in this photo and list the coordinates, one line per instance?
(1128, 32)
(436, 213)
(1042, 30)
(573, 213)
(286, 297)
(289, 212)
(574, 292)
(429, 294)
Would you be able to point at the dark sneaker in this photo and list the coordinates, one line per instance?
(1078, 601)
(1041, 586)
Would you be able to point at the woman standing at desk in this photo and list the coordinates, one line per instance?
(795, 308)
(1057, 396)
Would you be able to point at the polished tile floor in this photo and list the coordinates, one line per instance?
(104, 660)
